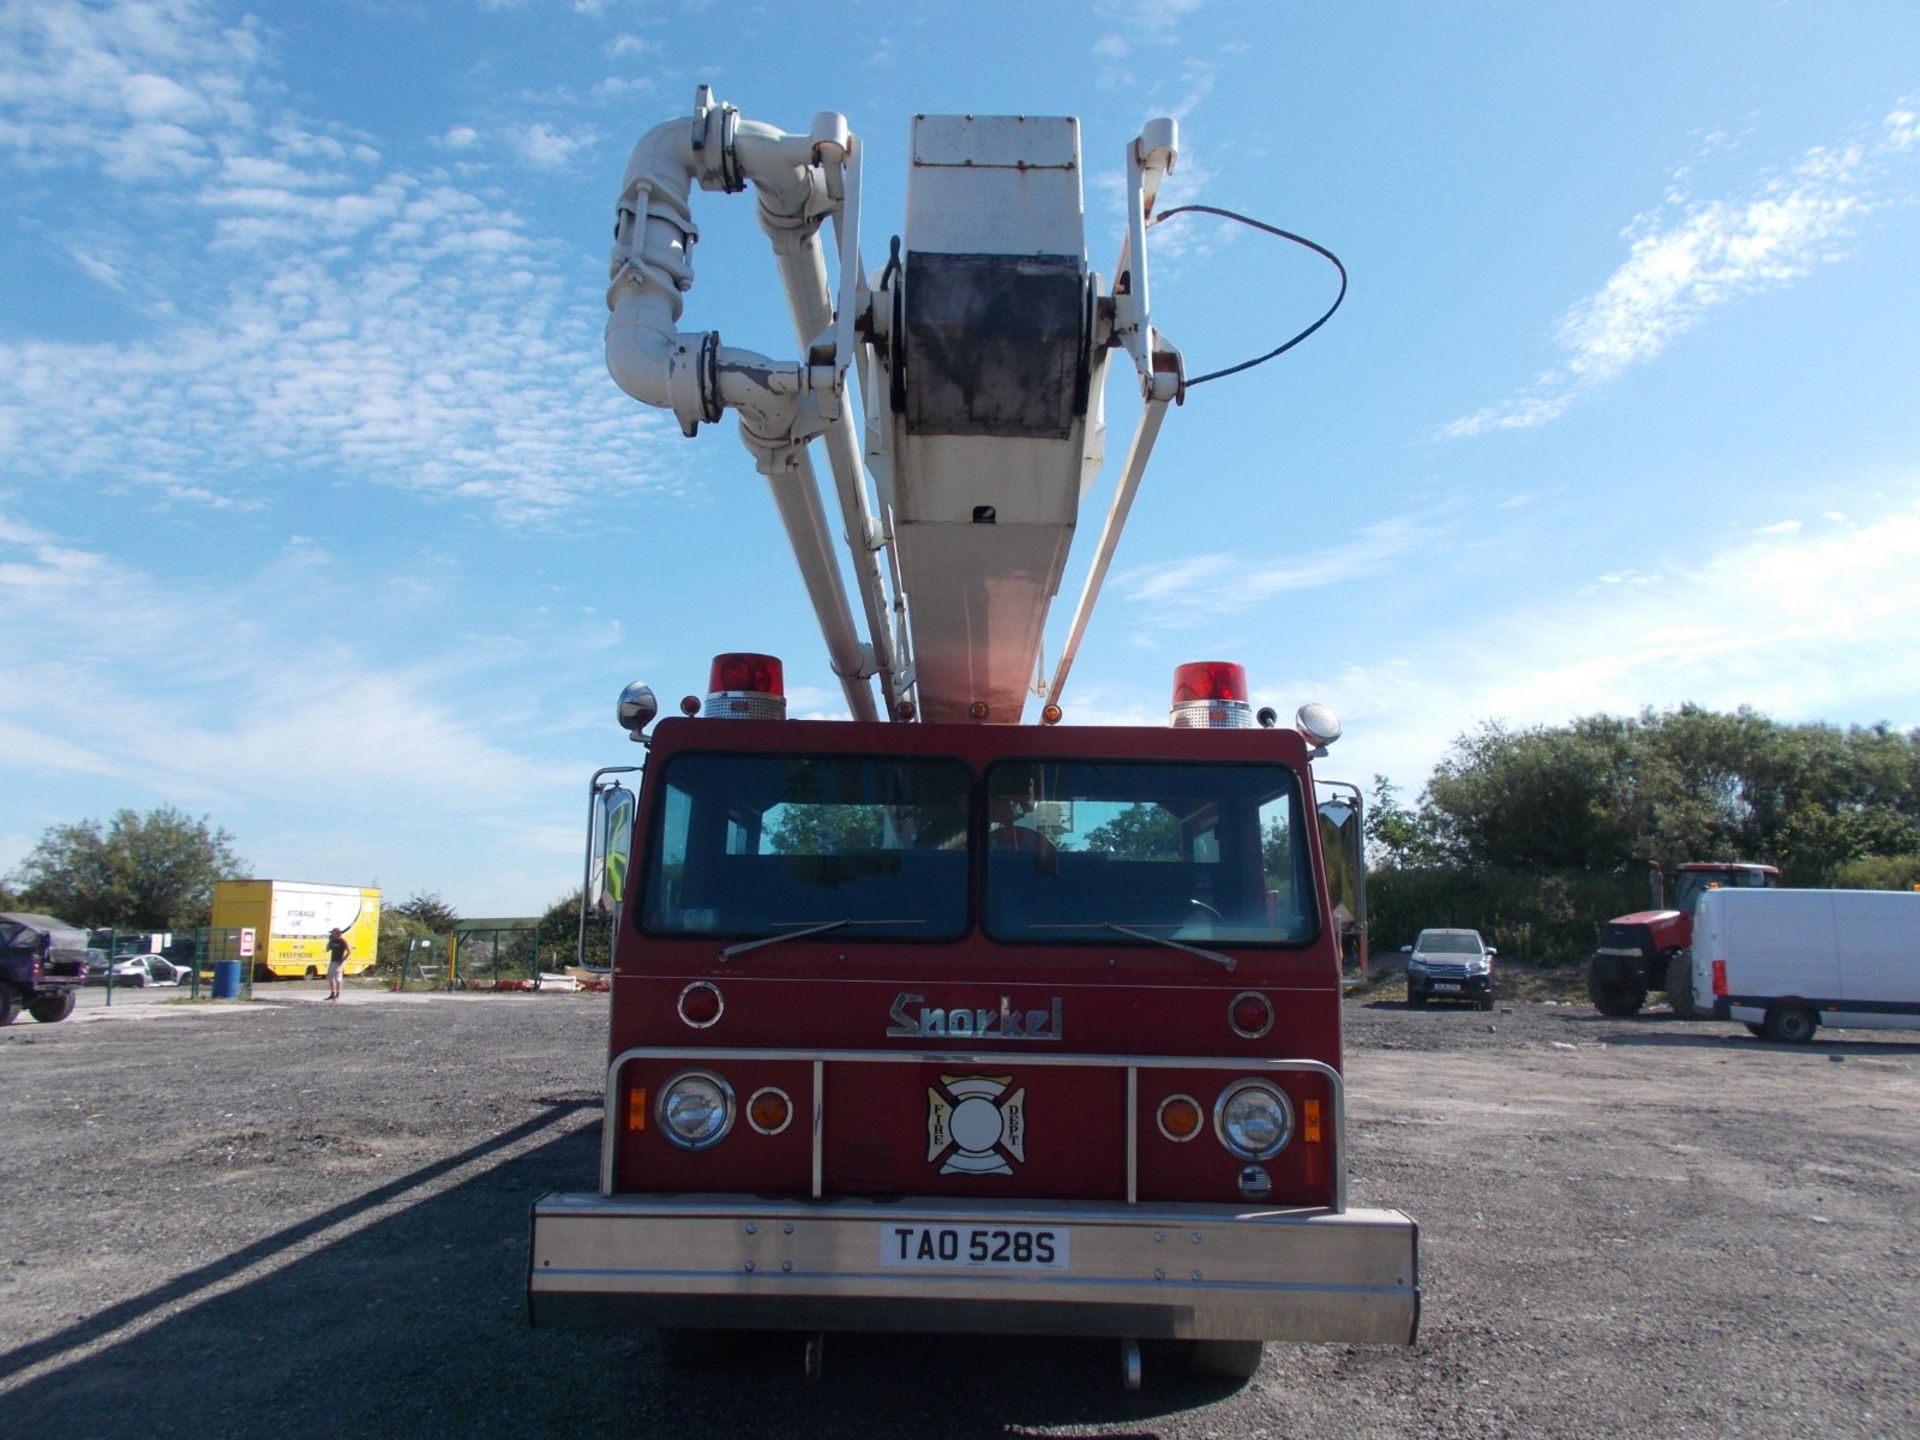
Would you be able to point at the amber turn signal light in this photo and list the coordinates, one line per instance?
(1179, 1117)
(769, 1110)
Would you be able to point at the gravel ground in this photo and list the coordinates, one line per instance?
(264, 1219)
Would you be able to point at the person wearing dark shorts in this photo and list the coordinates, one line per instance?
(337, 951)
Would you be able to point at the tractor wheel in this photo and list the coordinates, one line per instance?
(1618, 1000)
(9, 1003)
(1791, 1024)
(1680, 983)
(48, 1009)
(1225, 1359)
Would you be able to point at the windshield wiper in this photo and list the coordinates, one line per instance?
(822, 928)
(1227, 961)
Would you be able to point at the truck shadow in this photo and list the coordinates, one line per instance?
(414, 1323)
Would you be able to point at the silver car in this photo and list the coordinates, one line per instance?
(1450, 965)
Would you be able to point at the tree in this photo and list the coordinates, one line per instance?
(1395, 835)
(146, 872)
(1140, 832)
(560, 934)
(429, 910)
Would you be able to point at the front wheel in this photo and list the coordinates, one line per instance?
(1680, 983)
(1790, 1024)
(48, 1009)
(1416, 999)
(1615, 998)
(9, 1003)
(1226, 1359)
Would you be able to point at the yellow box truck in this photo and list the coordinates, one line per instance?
(290, 921)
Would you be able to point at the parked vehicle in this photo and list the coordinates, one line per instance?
(136, 970)
(1785, 962)
(1449, 965)
(290, 920)
(931, 1020)
(1647, 950)
(42, 961)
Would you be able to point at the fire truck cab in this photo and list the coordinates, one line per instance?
(931, 1020)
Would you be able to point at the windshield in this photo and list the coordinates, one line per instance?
(1198, 853)
(1693, 883)
(751, 845)
(1447, 942)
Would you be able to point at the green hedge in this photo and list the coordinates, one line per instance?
(1552, 917)
(1879, 872)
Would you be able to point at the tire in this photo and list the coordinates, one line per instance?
(1416, 999)
(1616, 1000)
(9, 1003)
(1487, 1004)
(50, 1009)
(1680, 984)
(312, 973)
(1225, 1359)
(1759, 1032)
(1790, 1024)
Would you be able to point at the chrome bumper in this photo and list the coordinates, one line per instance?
(1172, 1272)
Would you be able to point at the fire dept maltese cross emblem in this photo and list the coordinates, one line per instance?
(976, 1127)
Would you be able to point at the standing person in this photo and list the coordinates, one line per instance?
(337, 951)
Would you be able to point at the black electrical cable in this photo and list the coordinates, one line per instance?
(1284, 235)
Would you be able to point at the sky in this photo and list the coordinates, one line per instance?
(320, 516)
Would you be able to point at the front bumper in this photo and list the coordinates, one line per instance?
(1464, 987)
(1172, 1272)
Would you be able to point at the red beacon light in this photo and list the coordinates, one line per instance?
(1211, 695)
(744, 686)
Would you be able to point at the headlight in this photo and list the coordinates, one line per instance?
(1253, 1119)
(696, 1109)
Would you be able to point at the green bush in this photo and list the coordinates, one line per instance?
(1552, 917)
(1879, 872)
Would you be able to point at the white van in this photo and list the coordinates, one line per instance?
(1786, 962)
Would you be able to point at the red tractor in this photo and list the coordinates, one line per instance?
(1649, 950)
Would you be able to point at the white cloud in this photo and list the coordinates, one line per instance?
(1184, 594)
(319, 310)
(1786, 622)
(1779, 527)
(1903, 126)
(546, 148)
(274, 717)
(460, 137)
(1688, 258)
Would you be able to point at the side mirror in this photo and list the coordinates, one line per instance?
(1491, 951)
(1406, 949)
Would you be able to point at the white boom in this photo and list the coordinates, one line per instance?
(982, 349)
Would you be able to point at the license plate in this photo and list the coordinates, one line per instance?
(1443, 985)
(974, 1247)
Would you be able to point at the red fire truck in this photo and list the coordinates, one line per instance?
(940, 1021)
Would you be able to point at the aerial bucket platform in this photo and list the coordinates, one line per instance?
(982, 345)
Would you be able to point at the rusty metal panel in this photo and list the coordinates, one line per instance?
(994, 344)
